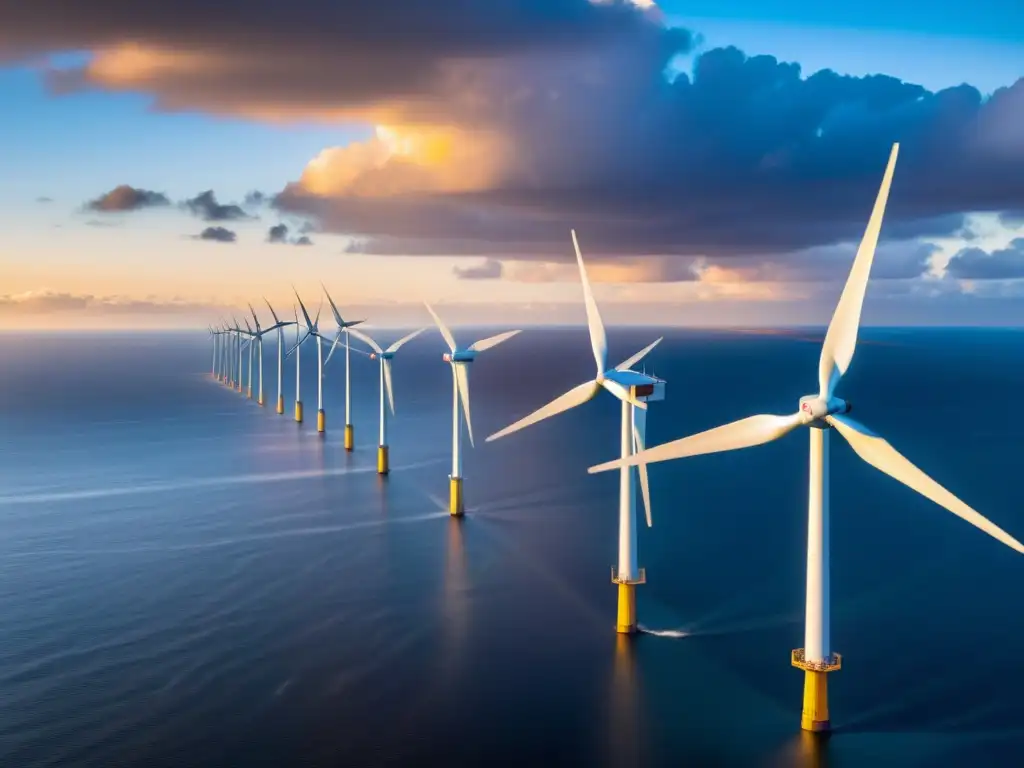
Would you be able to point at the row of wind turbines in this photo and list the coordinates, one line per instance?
(819, 412)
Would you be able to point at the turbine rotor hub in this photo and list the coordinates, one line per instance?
(814, 410)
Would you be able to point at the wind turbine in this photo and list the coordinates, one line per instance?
(344, 327)
(280, 326)
(258, 335)
(459, 359)
(312, 329)
(252, 337)
(634, 390)
(215, 338)
(822, 412)
(385, 356)
(241, 348)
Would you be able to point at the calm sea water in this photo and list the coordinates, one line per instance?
(189, 580)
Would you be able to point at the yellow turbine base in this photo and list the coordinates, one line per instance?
(626, 624)
(382, 460)
(298, 411)
(350, 437)
(456, 505)
(239, 387)
(815, 716)
(280, 403)
(321, 420)
(260, 401)
(249, 394)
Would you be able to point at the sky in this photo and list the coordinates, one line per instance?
(164, 164)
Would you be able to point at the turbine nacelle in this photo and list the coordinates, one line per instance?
(814, 409)
(459, 356)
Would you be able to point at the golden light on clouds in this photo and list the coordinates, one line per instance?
(399, 160)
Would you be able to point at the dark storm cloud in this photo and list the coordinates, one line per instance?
(217, 235)
(127, 198)
(489, 269)
(205, 206)
(976, 264)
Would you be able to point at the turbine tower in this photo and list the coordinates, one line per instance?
(312, 329)
(215, 338)
(343, 327)
(241, 348)
(385, 356)
(280, 325)
(821, 413)
(459, 359)
(634, 390)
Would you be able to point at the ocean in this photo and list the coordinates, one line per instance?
(187, 579)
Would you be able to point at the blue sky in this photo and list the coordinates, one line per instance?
(80, 145)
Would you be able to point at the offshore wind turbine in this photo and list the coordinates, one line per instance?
(280, 326)
(215, 338)
(821, 413)
(258, 335)
(252, 337)
(312, 329)
(459, 359)
(385, 356)
(634, 390)
(241, 348)
(344, 327)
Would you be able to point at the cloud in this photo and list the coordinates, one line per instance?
(205, 206)
(502, 123)
(977, 264)
(127, 198)
(255, 198)
(279, 234)
(490, 269)
(217, 235)
(44, 199)
(1012, 219)
(47, 302)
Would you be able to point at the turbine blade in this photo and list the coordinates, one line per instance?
(254, 318)
(305, 314)
(628, 363)
(334, 345)
(273, 314)
(639, 442)
(299, 343)
(334, 309)
(598, 339)
(398, 344)
(745, 433)
(491, 341)
(623, 394)
(316, 323)
(366, 340)
(388, 386)
(575, 396)
(841, 337)
(877, 452)
(462, 377)
(448, 338)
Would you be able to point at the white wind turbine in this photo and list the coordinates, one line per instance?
(343, 328)
(215, 338)
(312, 329)
(822, 412)
(634, 390)
(280, 326)
(459, 359)
(258, 336)
(385, 356)
(241, 348)
(252, 338)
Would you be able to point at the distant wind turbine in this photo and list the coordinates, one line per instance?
(385, 356)
(344, 327)
(312, 329)
(822, 412)
(259, 334)
(459, 359)
(280, 326)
